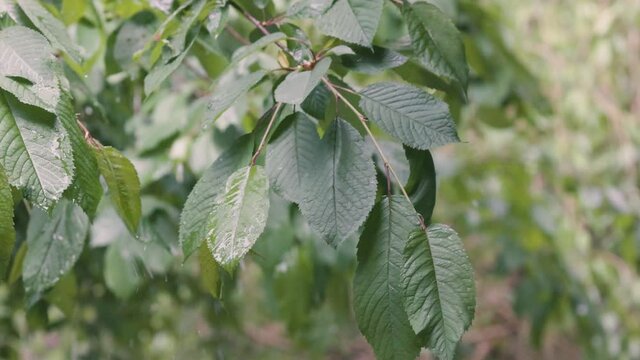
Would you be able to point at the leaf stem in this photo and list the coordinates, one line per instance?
(387, 164)
(266, 133)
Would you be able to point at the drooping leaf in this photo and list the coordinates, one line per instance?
(297, 86)
(240, 216)
(85, 190)
(209, 271)
(194, 220)
(160, 72)
(247, 50)
(123, 183)
(226, 95)
(290, 155)
(339, 189)
(52, 28)
(121, 273)
(436, 42)
(378, 293)
(373, 60)
(34, 151)
(421, 185)
(54, 244)
(417, 118)
(354, 21)
(7, 232)
(27, 67)
(439, 287)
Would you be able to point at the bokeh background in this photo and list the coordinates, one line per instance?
(544, 190)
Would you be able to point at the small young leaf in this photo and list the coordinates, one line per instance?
(354, 21)
(7, 232)
(421, 185)
(124, 186)
(297, 86)
(378, 295)
(439, 290)
(54, 244)
(240, 216)
(339, 189)
(415, 117)
(194, 221)
(226, 95)
(436, 42)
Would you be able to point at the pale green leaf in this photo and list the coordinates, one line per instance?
(291, 155)
(194, 220)
(247, 50)
(354, 21)
(298, 85)
(51, 27)
(339, 189)
(160, 72)
(439, 287)
(34, 151)
(436, 42)
(121, 273)
(54, 244)
(378, 293)
(123, 183)
(308, 8)
(7, 231)
(240, 216)
(417, 118)
(227, 94)
(209, 271)
(72, 10)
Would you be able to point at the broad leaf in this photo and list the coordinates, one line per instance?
(439, 287)
(417, 118)
(374, 60)
(240, 216)
(54, 244)
(123, 183)
(339, 189)
(27, 67)
(378, 294)
(194, 221)
(291, 155)
(121, 273)
(436, 42)
(308, 8)
(52, 28)
(421, 185)
(7, 232)
(227, 94)
(34, 151)
(297, 86)
(354, 21)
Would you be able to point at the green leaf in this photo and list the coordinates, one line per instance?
(298, 85)
(34, 151)
(291, 155)
(85, 190)
(339, 190)
(194, 221)
(240, 216)
(121, 274)
(209, 271)
(308, 8)
(72, 10)
(354, 21)
(7, 231)
(52, 28)
(28, 69)
(417, 118)
(439, 287)
(378, 294)
(63, 294)
(436, 42)
(54, 244)
(160, 72)
(123, 183)
(373, 60)
(421, 185)
(226, 95)
(247, 50)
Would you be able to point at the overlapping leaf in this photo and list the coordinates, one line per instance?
(7, 232)
(373, 60)
(354, 21)
(421, 185)
(297, 86)
(227, 94)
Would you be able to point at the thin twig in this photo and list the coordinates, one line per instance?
(236, 35)
(387, 164)
(266, 133)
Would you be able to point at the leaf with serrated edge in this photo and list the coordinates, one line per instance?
(339, 189)
(354, 21)
(417, 118)
(54, 244)
(52, 28)
(123, 183)
(194, 220)
(226, 95)
(7, 231)
(439, 288)
(34, 151)
(297, 86)
(378, 295)
(436, 42)
(240, 216)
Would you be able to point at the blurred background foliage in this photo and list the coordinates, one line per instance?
(544, 190)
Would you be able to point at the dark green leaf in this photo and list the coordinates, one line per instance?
(354, 21)
(373, 60)
(7, 232)
(421, 185)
